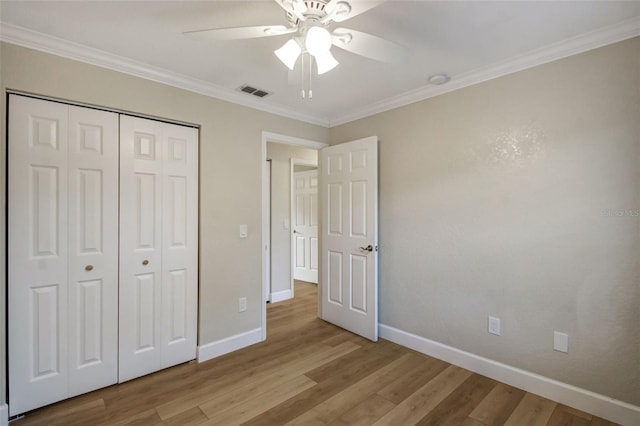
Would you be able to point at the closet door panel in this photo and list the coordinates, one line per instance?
(93, 249)
(37, 253)
(140, 247)
(180, 245)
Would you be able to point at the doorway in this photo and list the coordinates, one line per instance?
(290, 211)
(285, 153)
(304, 219)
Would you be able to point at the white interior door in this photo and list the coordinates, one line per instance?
(93, 249)
(349, 188)
(37, 264)
(140, 247)
(62, 218)
(158, 245)
(305, 226)
(179, 244)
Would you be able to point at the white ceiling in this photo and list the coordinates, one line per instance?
(468, 40)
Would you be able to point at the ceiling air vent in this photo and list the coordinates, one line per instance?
(253, 91)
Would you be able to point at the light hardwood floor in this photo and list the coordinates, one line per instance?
(309, 372)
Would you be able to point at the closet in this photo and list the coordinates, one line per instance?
(102, 249)
(158, 245)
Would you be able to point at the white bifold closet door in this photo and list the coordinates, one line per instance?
(158, 245)
(63, 251)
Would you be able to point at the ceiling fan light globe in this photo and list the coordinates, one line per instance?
(289, 53)
(326, 63)
(317, 41)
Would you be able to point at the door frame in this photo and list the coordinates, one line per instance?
(293, 162)
(266, 273)
(285, 140)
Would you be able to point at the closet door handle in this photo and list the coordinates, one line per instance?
(145, 262)
(88, 268)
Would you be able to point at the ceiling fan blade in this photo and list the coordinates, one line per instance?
(369, 46)
(341, 10)
(237, 33)
(295, 7)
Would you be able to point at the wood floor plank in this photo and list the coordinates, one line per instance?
(156, 389)
(366, 413)
(64, 413)
(470, 421)
(145, 418)
(455, 408)
(336, 405)
(563, 416)
(248, 409)
(533, 410)
(398, 390)
(345, 336)
(597, 421)
(219, 397)
(495, 408)
(192, 417)
(425, 399)
(271, 380)
(575, 412)
(343, 373)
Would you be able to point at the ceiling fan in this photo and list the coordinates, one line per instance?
(309, 23)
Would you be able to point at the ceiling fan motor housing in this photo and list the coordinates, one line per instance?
(315, 11)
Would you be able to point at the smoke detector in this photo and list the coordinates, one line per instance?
(439, 79)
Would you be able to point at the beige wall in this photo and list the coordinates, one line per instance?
(230, 173)
(502, 199)
(280, 155)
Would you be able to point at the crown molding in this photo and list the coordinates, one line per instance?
(24, 37)
(598, 38)
(38, 41)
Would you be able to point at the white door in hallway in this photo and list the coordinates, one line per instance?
(62, 251)
(349, 191)
(158, 245)
(305, 226)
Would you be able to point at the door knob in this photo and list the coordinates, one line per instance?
(295, 232)
(145, 262)
(367, 248)
(88, 268)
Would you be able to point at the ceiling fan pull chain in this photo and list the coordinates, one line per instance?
(302, 72)
(310, 72)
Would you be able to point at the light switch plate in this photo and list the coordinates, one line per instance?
(494, 326)
(561, 342)
(243, 231)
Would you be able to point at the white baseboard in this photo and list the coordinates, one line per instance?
(229, 344)
(4, 415)
(582, 399)
(279, 296)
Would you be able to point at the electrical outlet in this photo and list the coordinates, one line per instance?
(242, 304)
(561, 342)
(494, 325)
